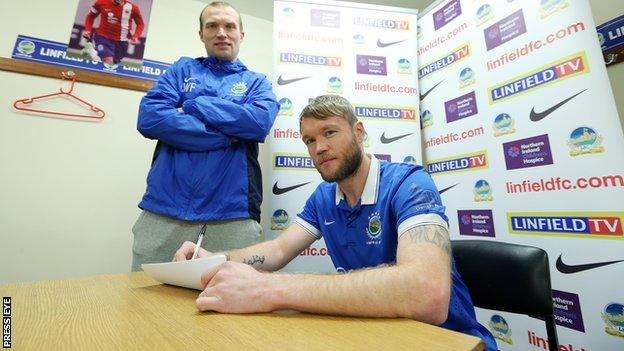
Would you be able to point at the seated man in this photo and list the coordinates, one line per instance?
(383, 223)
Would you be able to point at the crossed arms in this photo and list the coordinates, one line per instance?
(418, 286)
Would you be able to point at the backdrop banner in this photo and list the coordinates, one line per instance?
(367, 54)
(520, 125)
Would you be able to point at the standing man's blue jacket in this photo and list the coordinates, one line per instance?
(208, 117)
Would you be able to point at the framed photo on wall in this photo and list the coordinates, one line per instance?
(113, 32)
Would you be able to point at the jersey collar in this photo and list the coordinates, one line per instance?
(369, 195)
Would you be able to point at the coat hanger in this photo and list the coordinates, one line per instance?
(95, 112)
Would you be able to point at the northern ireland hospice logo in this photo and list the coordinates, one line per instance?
(446, 14)
(476, 223)
(528, 152)
(584, 140)
(461, 107)
(590, 225)
(324, 18)
(504, 30)
(367, 64)
(551, 73)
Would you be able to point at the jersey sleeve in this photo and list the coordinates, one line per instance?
(138, 21)
(417, 202)
(308, 218)
(159, 118)
(251, 120)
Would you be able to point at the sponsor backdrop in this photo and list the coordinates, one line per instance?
(521, 131)
(365, 53)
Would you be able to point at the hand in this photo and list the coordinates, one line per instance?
(235, 287)
(185, 252)
(86, 34)
(134, 41)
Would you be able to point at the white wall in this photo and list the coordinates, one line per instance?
(69, 189)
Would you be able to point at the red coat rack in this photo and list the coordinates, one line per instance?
(94, 112)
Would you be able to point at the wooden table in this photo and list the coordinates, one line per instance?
(133, 312)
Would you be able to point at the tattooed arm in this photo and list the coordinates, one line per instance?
(418, 286)
(269, 255)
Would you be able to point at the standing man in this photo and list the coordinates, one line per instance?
(384, 225)
(208, 115)
(115, 30)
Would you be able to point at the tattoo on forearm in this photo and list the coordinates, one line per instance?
(254, 259)
(434, 234)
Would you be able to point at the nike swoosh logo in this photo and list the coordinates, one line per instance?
(329, 223)
(279, 191)
(569, 269)
(282, 81)
(538, 116)
(385, 140)
(188, 79)
(448, 188)
(423, 96)
(383, 45)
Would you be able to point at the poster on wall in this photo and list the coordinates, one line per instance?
(113, 32)
(611, 38)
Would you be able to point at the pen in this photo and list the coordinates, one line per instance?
(200, 237)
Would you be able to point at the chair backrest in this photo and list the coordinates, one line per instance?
(507, 277)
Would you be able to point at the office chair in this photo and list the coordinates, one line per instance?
(508, 277)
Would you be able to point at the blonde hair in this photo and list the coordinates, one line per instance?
(327, 106)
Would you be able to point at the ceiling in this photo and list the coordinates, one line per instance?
(264, 8)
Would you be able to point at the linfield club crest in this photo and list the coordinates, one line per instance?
(239, 89)
(584, 140)
(500, 329)
(374, 230)
(613, 316)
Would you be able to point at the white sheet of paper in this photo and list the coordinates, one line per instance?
(184, 273)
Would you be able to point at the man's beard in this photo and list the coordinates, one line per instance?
(352, 161)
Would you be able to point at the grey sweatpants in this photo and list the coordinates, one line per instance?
(157, 238)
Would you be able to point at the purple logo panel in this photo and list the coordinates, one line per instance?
(476, 223)
(324, 18)
(529, 152)
(371, 65)
(446, 14)
(461, 107)
(504, 30)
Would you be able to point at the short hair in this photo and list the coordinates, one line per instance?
(220, 4)
(327, 106)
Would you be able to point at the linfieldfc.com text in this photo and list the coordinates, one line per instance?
(559, 184)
